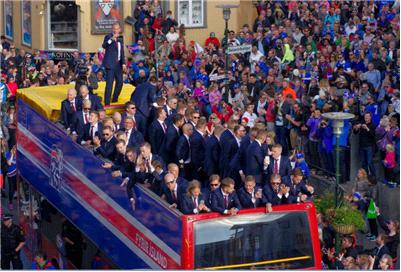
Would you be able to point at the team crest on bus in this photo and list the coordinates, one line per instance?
(56, 168)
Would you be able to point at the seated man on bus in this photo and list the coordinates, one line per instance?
(214, 183)
(251, 196)
(194, 202)
(225, 200)
(299, 191)
(173, 192)
(105, 147)
(276, 192)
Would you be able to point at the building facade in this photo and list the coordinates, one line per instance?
(81, 24)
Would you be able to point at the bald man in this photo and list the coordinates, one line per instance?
(69, 107)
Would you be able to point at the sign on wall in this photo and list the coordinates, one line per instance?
(104, 14)
(26, 22)
(8, 19)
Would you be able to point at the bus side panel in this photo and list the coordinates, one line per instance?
(78, 214)
(315, 235)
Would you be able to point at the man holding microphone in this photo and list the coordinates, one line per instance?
(114, 63)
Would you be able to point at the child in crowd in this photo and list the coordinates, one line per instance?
(301, 164)
(389, 165)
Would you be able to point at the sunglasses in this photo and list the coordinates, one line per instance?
(87, 108)
(133, 108)
(276, 183)
(170, 182)
(196, 117)
(214, 184)
(106, 134)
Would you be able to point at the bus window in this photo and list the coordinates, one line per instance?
(264, 241)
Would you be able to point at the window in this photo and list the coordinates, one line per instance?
(266, 241)
(191, 13)
(63, 25)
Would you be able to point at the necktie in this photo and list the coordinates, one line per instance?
(195, 203)
(164, 127)
(91, 132)
(86, 118)
(126, 133)
(275, 166)
(225, 202)
(72, 106)
(174, 196)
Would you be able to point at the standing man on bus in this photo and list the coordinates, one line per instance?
(114, 63)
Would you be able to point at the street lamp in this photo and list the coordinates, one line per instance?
(337, 119)
(226, 17)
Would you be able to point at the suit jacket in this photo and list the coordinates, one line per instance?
(111, 56)
(188, 206)
(139, 120)
(245, 199)
(197, 149)
(212, 155)
(254, 161)
(284, 169)
(245, 142)
(156, 136)
(135, 139)
(86, 136)
(181, 191)
(107, 149)
(143, 97)
(217, 201)
(68, 114)
(229, 147)
(183, 150)
(79, 123)
(96, 103)
(272, 196)
(170, 143)
(296, 189)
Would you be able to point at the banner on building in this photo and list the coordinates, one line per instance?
(8, 19)
(104, 14)
(26, 22)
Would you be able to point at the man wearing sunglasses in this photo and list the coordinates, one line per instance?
(106, 146)
(276, 192)
(173, 191)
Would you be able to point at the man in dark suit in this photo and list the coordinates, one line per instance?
(198, 145)
(279, 164)
(96, 104)
(140, 121)
(91, 129)
(299, 191)
(114, 63)
(81, 118)
(171, 139)
(193, 202)
(172, 191)
(183, 151)
(234, 164)
(69, 107)
(226, 154)
(225, 200)
(255, 156)
(251, 196)
(245, 142)
(380, 250)
(214, 183)
(157, 131)
(171, 109)
(144, 96)
(106, 147)
(212, 152)
(276, 193)
(134, 137)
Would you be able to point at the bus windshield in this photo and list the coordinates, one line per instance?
(265, 241)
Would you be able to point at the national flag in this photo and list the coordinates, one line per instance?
(133, 48)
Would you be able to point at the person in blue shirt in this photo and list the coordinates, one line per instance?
(373, 108)
(301, 164)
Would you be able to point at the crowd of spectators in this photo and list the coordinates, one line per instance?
(204, 144)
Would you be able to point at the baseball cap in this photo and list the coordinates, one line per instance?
(299, 156)
(7, 216)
